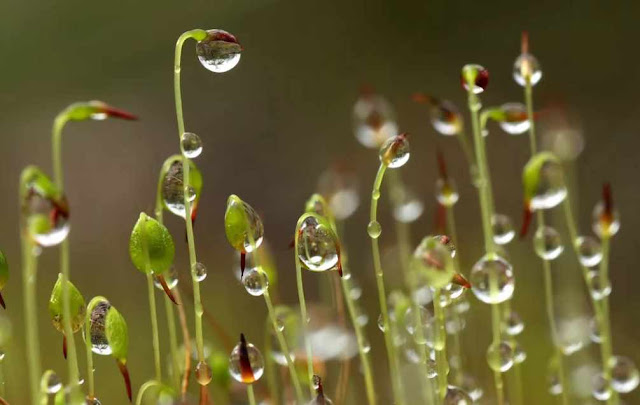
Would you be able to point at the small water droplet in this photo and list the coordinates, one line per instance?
(608, 226)
(478, 75)
(595, 335)
(589, 251)
(519, 354)
(374, 229)
(381, 323)
(624, 374)
(172, 189)
(503, 232)
(2, 354)
(601, 389)
(446, 192)
(256, 363)
(279, 324)
(317, 245)
(373, 120)
(427, 332)
(199, 272)
(171, 278)
(219, 52)
(551, 190)
(355, 293)
(555, 387)
(92, 401)
(408, 209)
(395, 152)
(53, 383)
(471, 386)
(445, 118)
(432, 260)
(191, 145)
(526, 67)
(500, 356)
(366, 346)
(515, 120)
(547, 243)
(203, 373)
(255, 281)
(513, 323)
(488, 268)
(456, 396)
(362, 319)
(598, 288)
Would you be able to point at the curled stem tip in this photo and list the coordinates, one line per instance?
(166, 288)
(524, 42)
(64, 346)
(117, 113)
(125, 375)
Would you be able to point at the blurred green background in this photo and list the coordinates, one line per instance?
(282, 116)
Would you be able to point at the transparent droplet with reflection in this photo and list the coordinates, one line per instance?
(446, 192)
(500, 356)
(99, 342)
(572, 333)
(395, 152)
(609, 226)
(92, 401)
(170, 277)
(594, 329)
(599, 288)
(317, 245)
(513, 324)
(256, 282)
(470, 385)
(503, 231)
(47, 220)
(551, 188)
(374, 229)
(555, 386)
(219, 52)
(515, 120)
(191, 145)
(589, 251)
(432, 260)
(374, 120)
(427, 325)
(480, 76)
(492, 269)
(519, 354)
(204, 374)
(445, 118)
(601, 390)
(409, 208)
(246, 232)
(172, 189)
(624, 374)
(50, 382)
(339, 186)
(199, 272)
(526, 67)
(456, 396)
(547, 243)
(256, 364)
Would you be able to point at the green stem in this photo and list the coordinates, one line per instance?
(468, 154)
(89, 352)
(274, 391)
(382, 295)
(251, 395)
(457, 345)
(173, 341)
(29, 273)
(144, 388)
(283, 346)
(606, 342)
(154, 327)
(303, 313)
(441, 347)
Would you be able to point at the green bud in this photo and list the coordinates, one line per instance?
(542, 178)
(151, 246)
(242, 225)
(77, 306)
(117, 334)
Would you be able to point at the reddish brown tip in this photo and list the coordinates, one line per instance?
(243, 263)
(607, 199)
(204, 395)
(64, 346)
(125, 375)
(292, 244)
(166, 288)
(527, 216)
(421, 98)
(116, 113)
(442, 164)
(246, 371)
(441, 219)
(524, 42)
(461, 281)
(2, 301)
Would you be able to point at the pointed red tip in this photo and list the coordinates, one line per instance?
(524, 42)
(64, 346)
(442, 164)
(441, 219)
(2, 301)
(527, 215)
(166, 288)
(461, 281)
(125, 375)
(607, 199)
(116, 113)
(421, 98)
(243, 263)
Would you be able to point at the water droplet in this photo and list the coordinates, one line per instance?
(601, 389)
(433, 260)
(547, 243)
(432, 368)
(47, 219)
(446, 192)
(92, 401)
(453, 291)
(624, 374)
(456, 396)
(243, 233)
(409, 208)
(373, 120)
(339, 186)
(589, 251)
(366, 346)
(595, 335)
(551, 189)
(445, 117)
(519, 354)
(503, 232)
(172, 189)
(191, 145)
(171, 277)
(573, 334)
(471, 386)
(355, 292)
(256, 363)
(555, 387)
(219, 52)
(500, 356)
(455, 326)
(99, 342)
(488, 268)
(598, 288)
(476, 74)
(526, 67)
(395, 152)
(203, 373)
(513, 323)
(374, 229)
(53, 382)
(2, 354)
(609, 226)
(515, 120)
(199, 272)
(362, 319)
(317, 245)
(255, 281)
(381, 323)
(427, 329)
(280, 324)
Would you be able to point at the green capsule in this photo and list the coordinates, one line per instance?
(151, 246)
(242, 225)
(77, 306)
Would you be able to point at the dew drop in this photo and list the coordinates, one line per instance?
(456, 396)
(92, 401)
(219, 52)
(250, 235)
(433, 260)
(191, 145)
(2, 354)
(624, 374)
(280, 324)
(500, 356)
(203, 373)
(526, 67)
(408, 209)
(478, 74)
(432, 368)
(608, 227)
(555, 387)
(172, 189)
(373, 120)
(199, 272)
(589, 251)
(366, 346)
(547, 243)
(99, 342)
(516, 120)
(355, 292)
(445, 118)
(551, 189)
(255, 281)
(381, 323)
(594, 335)
(53, 383)
(47, 219)
(471, 386)
(503, 232)
(601, 389)
(598, 288)
(362, 319)
(171, 278)
(374, 229)
(446, 192)
(488, 268)
(513, 323)
(395, 152)
(426, 333)
(256, 363)
(519, 354)
(317, 245)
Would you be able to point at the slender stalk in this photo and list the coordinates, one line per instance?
(272, 382)
(251, 395)
(154, 327)
(197, 34)
(144, 388)
(382, 295)
(607, 349)
(173, 341)
(89, 352)
(303, 315)
(186, 340)
(457, 345)
(29, 273)
(441, 347)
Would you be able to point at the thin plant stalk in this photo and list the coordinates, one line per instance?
(154, 327)
(186, 339)
(606, 322)
(441, 349)
(546, 265)
(29, 274)
(251, 395)
(196, 34)
(269, 369)
(144, 388)
(88, 346)
(457, 345)
(382, 295)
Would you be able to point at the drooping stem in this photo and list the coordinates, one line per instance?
(29, 273)
(197, 34)
(144, 388)
(374, 233)
(154, 327)
(441, 346)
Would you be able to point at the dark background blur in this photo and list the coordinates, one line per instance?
(283, 115)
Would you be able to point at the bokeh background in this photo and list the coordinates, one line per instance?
(272, 125)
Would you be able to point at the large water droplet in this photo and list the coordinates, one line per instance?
(513, 323)
(191, 145)
(47, 219)
(249, 235)
(503, 232)
(551, 189)
(500, 356)
(395, 151)
(432, 259)
(489, 270)
(547, 243)
(172, 189)
(445, 118)
(53, 382)
(317, 245)
(526, 67)
(199, 272)
(374, 229)
(373, 120)
(599, 288)
(601, 388)
(255, 281)
(99, 342)
(624, 374)
(589, 251)
(478, 74)
(219, 52)
(256, 362)
(456, 396)
(515, 120)
(446, 192)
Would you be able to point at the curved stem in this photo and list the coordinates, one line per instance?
(29, 273)
(382, 295)
(144, 388)
(303, 314)
(251, 395)
(441, 347)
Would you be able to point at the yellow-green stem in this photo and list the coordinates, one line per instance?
(154, 327)
(441, 348)
(272, 382)
(457, 345)
(251, 395)
(29, 273)
(89, 352)
(607, 344)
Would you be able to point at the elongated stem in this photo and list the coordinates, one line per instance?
(154, 327)
(382, 295)
(606, 343)
(283, 346)
(29, 273)
(457, 345)
(186, 340)
(272, 382)
(197, 302)
(303, 315)
(441, 347)
(144, 388)
(89, 352)
(251, 395)
(173, 341)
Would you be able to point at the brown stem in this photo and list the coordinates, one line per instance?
(2, 301)
(122, 365)
(166, 288)
(64, 346)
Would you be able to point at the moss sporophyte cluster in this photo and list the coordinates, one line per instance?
(422, 321)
